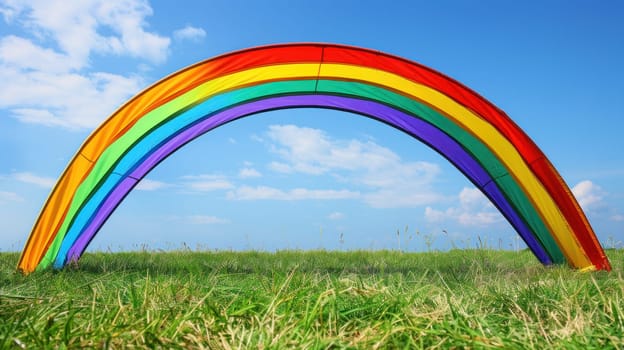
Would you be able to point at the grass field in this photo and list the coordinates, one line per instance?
(317, 299)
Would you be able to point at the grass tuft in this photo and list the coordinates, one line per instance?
(312, 299)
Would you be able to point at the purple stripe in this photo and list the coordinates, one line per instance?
(417, 128)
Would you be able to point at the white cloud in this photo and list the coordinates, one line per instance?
(398, 198)
(617, 217)
(49, 68)
(588, 194)
(30, 178)
(23, 54)
(246, 173)
(207, 183)
(206, 220)
(189, 33)
(68, 100)
(150, 185)
(307, 149)
(9, 197)
(280, 167)
(82, 27)
(474, 210)
(335, 216)
(392, 182)
(595, 201)
(211, 185)
(264, 192)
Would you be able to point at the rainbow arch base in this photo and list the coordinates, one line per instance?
(470, 132)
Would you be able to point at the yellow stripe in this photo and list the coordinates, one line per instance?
(485, 132)
(471, 122)
(215, 86)
(60, 199)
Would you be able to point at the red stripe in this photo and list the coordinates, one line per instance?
(201, 72)
(331, 53)
(533, 156)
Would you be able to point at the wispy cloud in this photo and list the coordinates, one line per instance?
(51, 82)
(206, 183)
(30, 178)
(265, 192)
(6, 197)
(150, 185)
(189, 33)
(617, 217)
(391, 181)
(474, 209)
(336, 216)
(246, 173)
(206, 220)
(280, 167)
(213, 182)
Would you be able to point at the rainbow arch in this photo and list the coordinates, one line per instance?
(470, 132)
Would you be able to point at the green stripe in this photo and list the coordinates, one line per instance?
(156, 117)
(510, 188)
(149, 122)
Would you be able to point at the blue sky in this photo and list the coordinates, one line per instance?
(268, 181)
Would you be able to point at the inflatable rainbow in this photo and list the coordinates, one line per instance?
(475, 136)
